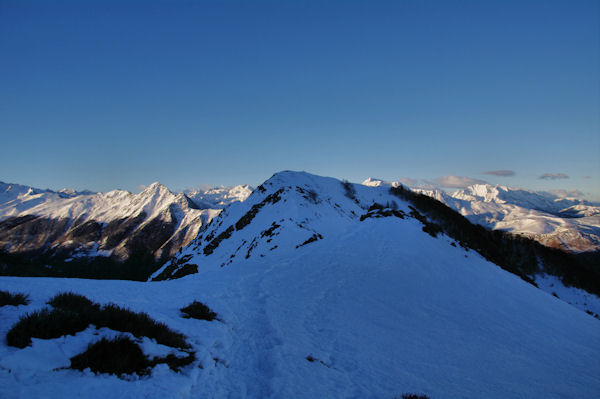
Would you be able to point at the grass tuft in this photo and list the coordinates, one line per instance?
(73, 302)
(198, 310)
(6, 298)
(121, 356)
(45, 324)
(73, 313)
(117, 356)
(138, 324)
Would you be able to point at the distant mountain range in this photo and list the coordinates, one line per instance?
(566, 223)
(68, 232)
(68, 226)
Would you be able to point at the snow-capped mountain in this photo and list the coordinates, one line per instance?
(541, 201)
(556, 222)
(565, 223)
(10, 192)
(219, 197)
(116, 224)
(329, 289)
(292, 210)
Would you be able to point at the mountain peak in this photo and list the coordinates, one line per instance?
(372, 182)
(218, 197)
(289, 178)
(156, 187)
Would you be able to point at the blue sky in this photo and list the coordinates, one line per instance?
(111, 94)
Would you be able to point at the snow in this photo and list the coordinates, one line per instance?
(154, 202)
(371, 182)
(381, 307)
(579, 298)
(554, 221)
(49, 355)
(90, 251)
(219, 197)
(16, 200)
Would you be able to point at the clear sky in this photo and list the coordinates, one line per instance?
(117, 94)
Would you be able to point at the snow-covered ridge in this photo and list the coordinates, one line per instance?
(554, 221)
(293, 210)
(297, 208)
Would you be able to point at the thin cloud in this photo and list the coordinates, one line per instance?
(453, 181)
(199, 187)
(407, 181)
(428, 185)
(567, 193)
(504, 173)
(553, 176)
(587, 177)
(417, 183)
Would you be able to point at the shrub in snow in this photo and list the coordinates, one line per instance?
(121, 356)
(308, 194)
(313, 238)
(185, 270)
(45, 324)
(379, 211)
(414, 396)
(312, 359)
(73, 302)
(73, 313)
(175, 363)
(6, 298)
(198, 310)
(349, 189)
(138, 324)
(117, 356)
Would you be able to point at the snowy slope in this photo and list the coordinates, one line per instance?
(9, 192)
(565, 223)
(298, 207)
(379, 306)
(294, 209)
